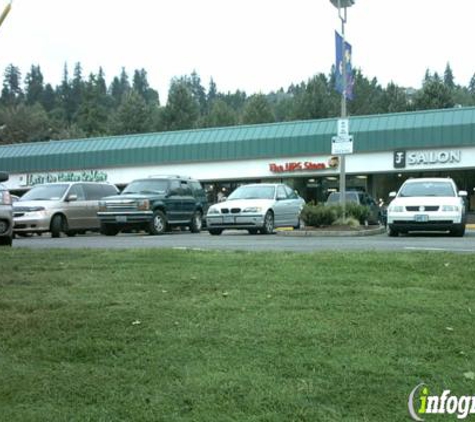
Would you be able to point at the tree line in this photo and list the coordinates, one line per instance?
(81, 107)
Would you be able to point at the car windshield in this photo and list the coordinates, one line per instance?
(335, 197)
(45, 193)
(427, 189)
(146, 186)
(253, 192)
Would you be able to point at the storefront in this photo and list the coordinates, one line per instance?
(388, 149)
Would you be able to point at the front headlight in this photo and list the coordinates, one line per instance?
(450, 208)
(36, 209)
(143, 205)
(252, 209)
(213, 210)
(396, 208)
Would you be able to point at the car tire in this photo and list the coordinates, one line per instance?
(268, 227)
(58, 225)
(299, 225)
(196, 222)
(215, 232)
(458, 230)
(108, 230)
(392, 232)
(158, 224)
(71, 233)
(253, 231)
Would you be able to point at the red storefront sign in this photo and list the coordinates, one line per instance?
(296, 166)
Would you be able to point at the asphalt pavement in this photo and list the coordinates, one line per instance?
(241, 240)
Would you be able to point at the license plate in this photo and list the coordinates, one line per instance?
(228, 219)
(121, 218)
(421, 218)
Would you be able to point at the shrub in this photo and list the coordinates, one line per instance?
(359, 212)
(325, 215)
(318, 215)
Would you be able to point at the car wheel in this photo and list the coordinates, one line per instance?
(300, 224)
(253, 231)
(215, 232)
(71, 233)
(196, 222)
(58, 225)
(392, 232)
(158, 225)
(458, 230)
(108, 229)
(268, 227)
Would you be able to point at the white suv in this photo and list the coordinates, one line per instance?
(427, 204)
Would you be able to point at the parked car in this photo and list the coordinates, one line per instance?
(155, 204)
(68, 208)
(427, 204)
(360, 198)
(256, 208)
(6, 217)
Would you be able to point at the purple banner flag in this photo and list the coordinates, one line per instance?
(339, 67)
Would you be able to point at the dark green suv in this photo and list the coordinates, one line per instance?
(154, 204)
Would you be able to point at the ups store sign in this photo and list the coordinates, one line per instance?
(403, 159)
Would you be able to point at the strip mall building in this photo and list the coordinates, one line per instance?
(387, 150)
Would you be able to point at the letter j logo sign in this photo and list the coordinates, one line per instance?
(399, 159)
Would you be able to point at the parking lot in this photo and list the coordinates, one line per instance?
(238, 240)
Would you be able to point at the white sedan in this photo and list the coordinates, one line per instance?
(256, 208)
(427, 204)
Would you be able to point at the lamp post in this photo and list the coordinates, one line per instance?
(342, 5)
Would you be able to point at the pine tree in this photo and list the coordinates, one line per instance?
(449, 77)
(220, 115)
(434, 95)
(92, 116)
(257, 110)
(12, 93)
(182, 110)
(34, 86)
(141, 86)
(132, 116)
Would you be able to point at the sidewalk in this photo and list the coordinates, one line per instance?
(471, 220)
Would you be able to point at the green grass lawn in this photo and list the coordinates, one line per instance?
(162, 335)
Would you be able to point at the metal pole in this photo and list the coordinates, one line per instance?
(5, 12)
(343, 108)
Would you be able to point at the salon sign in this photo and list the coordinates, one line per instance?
(403, 159)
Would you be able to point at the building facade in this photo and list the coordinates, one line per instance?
(387, 150)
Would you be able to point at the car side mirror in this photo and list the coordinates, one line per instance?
(72, 198)
(463, 193)
(3, 176)
(392, 194)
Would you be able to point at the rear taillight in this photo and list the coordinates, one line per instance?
(5, 198)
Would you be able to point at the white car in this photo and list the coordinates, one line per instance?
(427, 204)
(256, 208)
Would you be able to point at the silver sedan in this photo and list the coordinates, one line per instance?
(256, 208)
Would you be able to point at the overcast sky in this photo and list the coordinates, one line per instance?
(251, 45)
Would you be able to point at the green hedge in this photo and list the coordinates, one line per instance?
(325, 215)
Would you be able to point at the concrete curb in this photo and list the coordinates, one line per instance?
(332, 233)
